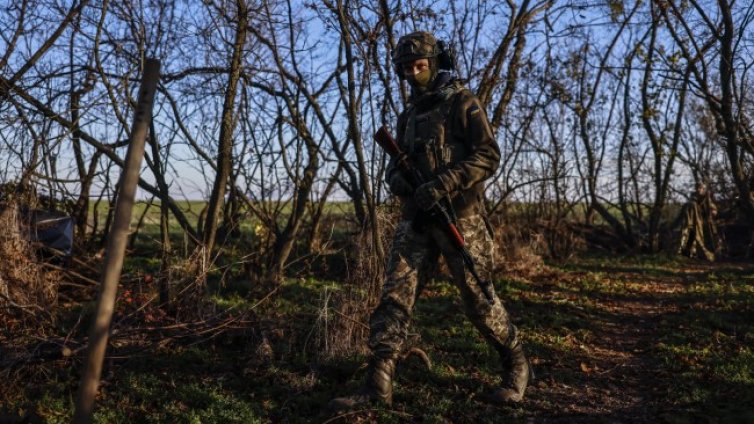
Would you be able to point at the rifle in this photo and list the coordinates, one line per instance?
(440, 212)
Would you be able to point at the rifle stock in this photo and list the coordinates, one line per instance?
(387, 142)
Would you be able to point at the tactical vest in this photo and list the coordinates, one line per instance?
(426, 134)
(433, 149)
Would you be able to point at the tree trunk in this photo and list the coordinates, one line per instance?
(285, 241)
(729, 118)
(355, 134)
(225, 145)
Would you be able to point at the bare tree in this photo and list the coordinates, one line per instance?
(240, 23)
(719, 63)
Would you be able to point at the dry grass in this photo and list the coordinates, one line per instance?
(523, 246)
(519, 250)
(28, 293)
(342, 326)
(187, 286)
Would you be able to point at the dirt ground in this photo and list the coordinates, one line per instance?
(611, 340)
(647, 344)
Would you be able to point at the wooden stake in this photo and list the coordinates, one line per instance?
(116, 246)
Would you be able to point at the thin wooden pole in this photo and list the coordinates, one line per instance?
(116, 246)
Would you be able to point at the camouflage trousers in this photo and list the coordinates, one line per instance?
(413, 259)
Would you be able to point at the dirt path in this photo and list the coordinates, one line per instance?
(607, 366)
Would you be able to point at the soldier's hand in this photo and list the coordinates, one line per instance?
(428, 194)
(399, 186)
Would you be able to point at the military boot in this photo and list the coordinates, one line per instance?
(378, 387)
(516, 373)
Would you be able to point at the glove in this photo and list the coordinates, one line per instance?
(399, 186)
(429, 193)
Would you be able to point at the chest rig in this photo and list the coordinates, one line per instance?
(426, 136)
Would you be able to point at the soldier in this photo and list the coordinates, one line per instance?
(445, 132)
(698, 229)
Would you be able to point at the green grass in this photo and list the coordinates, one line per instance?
(686, 332)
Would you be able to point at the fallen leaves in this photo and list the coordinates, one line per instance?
(588, 369)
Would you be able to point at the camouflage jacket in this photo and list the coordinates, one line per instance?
(447, 135)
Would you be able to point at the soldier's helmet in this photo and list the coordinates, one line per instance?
(416, 45)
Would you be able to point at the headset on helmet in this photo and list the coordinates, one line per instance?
(446, 59)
